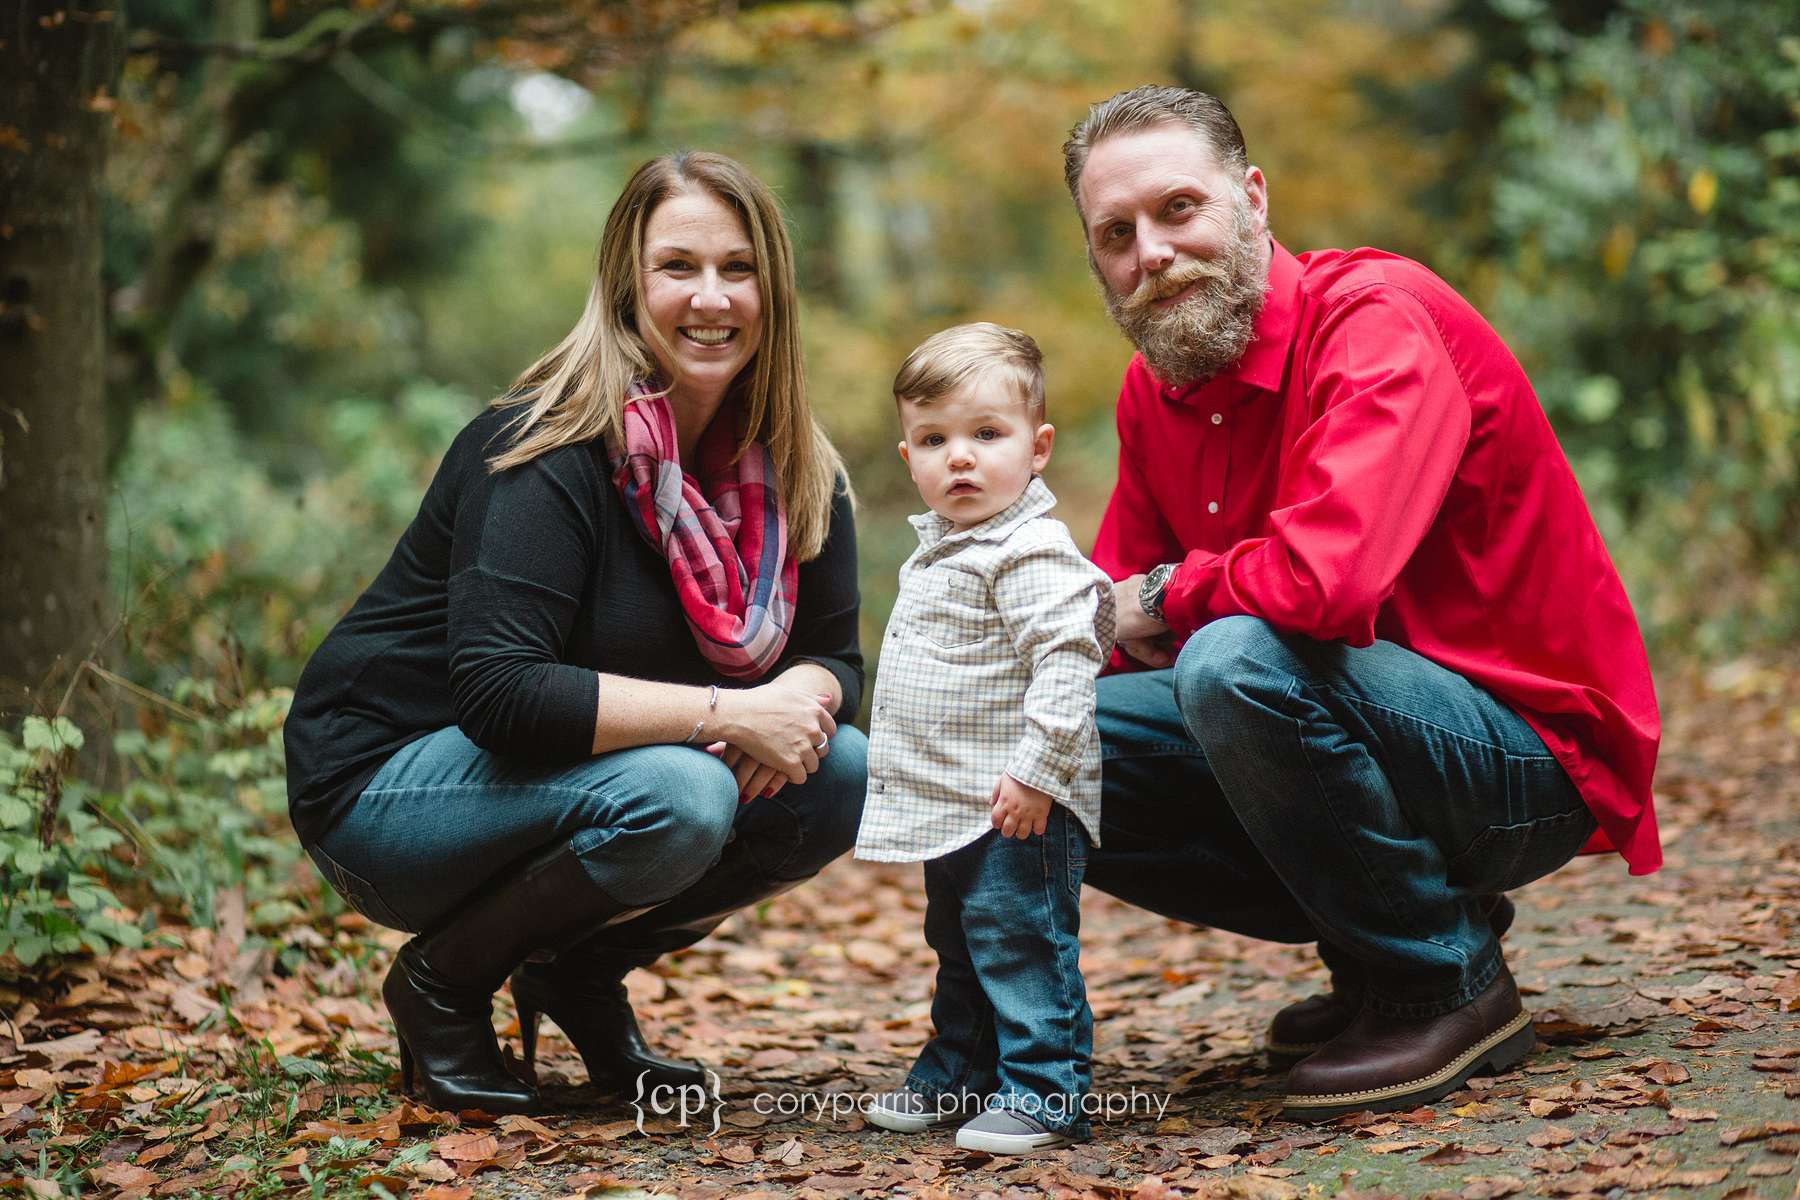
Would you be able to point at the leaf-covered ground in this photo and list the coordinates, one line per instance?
(1668, 1010)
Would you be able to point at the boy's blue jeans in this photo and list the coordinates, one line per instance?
(1298, 791)
(1013, 1024)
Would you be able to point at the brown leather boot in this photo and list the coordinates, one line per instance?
(1380, 1064)
(1305, 1025)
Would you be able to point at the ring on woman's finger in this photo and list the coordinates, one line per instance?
(823, 742)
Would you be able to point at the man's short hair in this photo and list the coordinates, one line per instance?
(1154, 104)
(945, 360)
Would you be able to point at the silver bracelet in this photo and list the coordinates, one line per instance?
(712, 706)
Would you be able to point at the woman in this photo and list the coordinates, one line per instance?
(588, 709)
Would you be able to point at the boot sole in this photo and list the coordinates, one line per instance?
(1289, 1053)
(1499, 1051)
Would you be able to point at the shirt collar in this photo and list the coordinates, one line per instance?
(1035, 501)
(1272, 334)
(1264, 360)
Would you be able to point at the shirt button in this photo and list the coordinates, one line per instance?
(1212, 506)
(1218, 418)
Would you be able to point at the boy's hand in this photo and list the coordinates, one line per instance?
(1020, 810)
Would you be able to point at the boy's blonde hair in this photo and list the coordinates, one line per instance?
(945, 360)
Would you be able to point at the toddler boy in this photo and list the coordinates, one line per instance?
(983, 757)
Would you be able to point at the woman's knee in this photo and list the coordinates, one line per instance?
(680, 809)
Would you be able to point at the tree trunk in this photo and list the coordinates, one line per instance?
(58, 59)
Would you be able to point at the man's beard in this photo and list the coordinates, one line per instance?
(1212, 328)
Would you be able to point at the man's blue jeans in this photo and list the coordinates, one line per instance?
(1011, 1012)
(654, 825)
(1298, 791)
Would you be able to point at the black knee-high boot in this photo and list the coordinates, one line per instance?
(583, 991)
(440, 989)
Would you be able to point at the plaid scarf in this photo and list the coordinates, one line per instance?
(724, 534)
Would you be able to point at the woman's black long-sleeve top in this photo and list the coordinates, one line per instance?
(503, 598)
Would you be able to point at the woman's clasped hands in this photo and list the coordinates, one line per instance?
(771, 736)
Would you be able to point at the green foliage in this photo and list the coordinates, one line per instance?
(199, 810)
(205, 801)
(53, 894)
(235, 573)
(1641, 248)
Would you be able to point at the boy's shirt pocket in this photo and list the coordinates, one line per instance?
(953, 608)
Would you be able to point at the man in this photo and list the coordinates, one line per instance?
(1376, 667)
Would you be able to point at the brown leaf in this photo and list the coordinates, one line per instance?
(1549, 1108)
(1668, 1072)
(1151, 1187)
(1491, 1187)
(1768, 1170)
(1699, 1177)
(1446, 1156)
(1551, 1135)
(878, 956)
(466, 1147)
(118, 1075)
(122, 1175)
(440, 1192)
(1755, 1133)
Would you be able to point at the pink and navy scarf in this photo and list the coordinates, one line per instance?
(724, 533)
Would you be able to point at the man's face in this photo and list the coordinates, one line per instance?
(1179, 243)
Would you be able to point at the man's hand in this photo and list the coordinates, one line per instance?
(1151, 651)
(1020, 810)
(1135, 625)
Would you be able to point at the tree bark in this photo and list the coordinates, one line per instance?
(58, 61)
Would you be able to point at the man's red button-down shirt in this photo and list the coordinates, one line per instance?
(1377, 466)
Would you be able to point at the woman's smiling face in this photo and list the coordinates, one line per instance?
(701, 295)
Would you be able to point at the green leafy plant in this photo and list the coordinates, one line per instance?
(205, 799)
(54, 898)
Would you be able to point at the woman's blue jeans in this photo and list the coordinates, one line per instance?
(1298, 791)
(657, 827)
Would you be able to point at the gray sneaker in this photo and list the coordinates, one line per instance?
(1002, 1131)
(905, 1111)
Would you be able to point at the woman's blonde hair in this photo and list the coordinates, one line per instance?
(578, 390)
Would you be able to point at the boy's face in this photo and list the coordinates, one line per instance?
(972, 451)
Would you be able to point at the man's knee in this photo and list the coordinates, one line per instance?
(1221, 660)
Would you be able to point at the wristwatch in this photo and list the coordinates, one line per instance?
(1150, 592)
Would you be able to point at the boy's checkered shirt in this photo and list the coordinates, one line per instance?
(987, 668)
